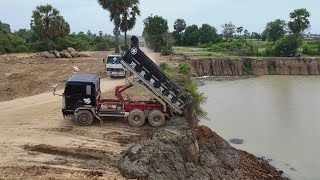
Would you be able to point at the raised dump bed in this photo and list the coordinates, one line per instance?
(153, 78)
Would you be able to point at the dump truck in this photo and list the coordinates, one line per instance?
(113, 67)
(82, 94)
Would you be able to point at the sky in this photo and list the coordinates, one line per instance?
(83, 15)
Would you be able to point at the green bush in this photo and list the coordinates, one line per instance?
(124, 47)
(22, 48)
(164, 66)
(309, 49)
(189, 84)
(184, 68)
(72, 41)
(103, 46)
(286, 46)
(165, 50)
(239, 47)
(5, 44)
(247, 69)
(39, 45)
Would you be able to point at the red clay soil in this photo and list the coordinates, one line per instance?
(253, 167)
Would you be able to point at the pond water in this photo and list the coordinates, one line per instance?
(278, 117)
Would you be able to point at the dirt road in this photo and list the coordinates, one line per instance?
(36, 142)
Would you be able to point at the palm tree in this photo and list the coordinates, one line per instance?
(48, 24)
(128, 19)
(116, 8)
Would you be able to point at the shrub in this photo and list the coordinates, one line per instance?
(124, 47)
(247, 69)
(72, 41)
(103, 46)
(39, 45)
(164, 66)
(287, 46)
(240, 47)
(21, 48)
(166, 50)
(184, 68)
(189, 84)
(309, 49)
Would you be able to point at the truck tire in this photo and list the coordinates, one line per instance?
(84, 118)
(156, 118)
(136, 118)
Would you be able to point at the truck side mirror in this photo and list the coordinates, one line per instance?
(54, 89)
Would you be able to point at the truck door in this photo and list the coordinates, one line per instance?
(73, 96)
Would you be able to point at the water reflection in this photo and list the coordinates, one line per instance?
(277, 116)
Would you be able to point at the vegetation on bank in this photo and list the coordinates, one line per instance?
(181, 74)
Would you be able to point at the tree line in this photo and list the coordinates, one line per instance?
(283, 39)
(49, 30)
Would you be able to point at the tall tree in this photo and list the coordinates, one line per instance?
(228, 30)
(48, 24)
(179, 26)
(129, 17)
(191, 36)
(208, 34)
(5, 28)
(275, 30)
(116, 8)
(300, 21)
(239, 30)
(155, 27)
(246, 33)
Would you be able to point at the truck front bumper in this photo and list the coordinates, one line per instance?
(116, 74)
(67, 112)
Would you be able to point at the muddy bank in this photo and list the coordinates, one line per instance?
(178, 151)
(211, 67)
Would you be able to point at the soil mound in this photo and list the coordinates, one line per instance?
(178, 151)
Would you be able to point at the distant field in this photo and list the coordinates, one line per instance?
(205, 53)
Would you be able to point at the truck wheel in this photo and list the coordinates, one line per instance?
(136, 118)
(84, 118)
(156, 118)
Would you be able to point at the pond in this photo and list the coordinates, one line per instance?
(277, 117)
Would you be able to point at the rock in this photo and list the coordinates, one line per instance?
(236, 141)
(62, 54)
(45, 54)
(68, 55)
(84, 54)
(74, 54)
(57, 54)
(70, 50)
(51, 56)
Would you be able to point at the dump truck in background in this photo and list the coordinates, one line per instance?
(113, 67)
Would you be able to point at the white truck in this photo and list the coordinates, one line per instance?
(113, 66)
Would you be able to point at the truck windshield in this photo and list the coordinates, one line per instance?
(112, 60)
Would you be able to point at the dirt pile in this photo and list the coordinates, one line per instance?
(29, 74)
(178, 152)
